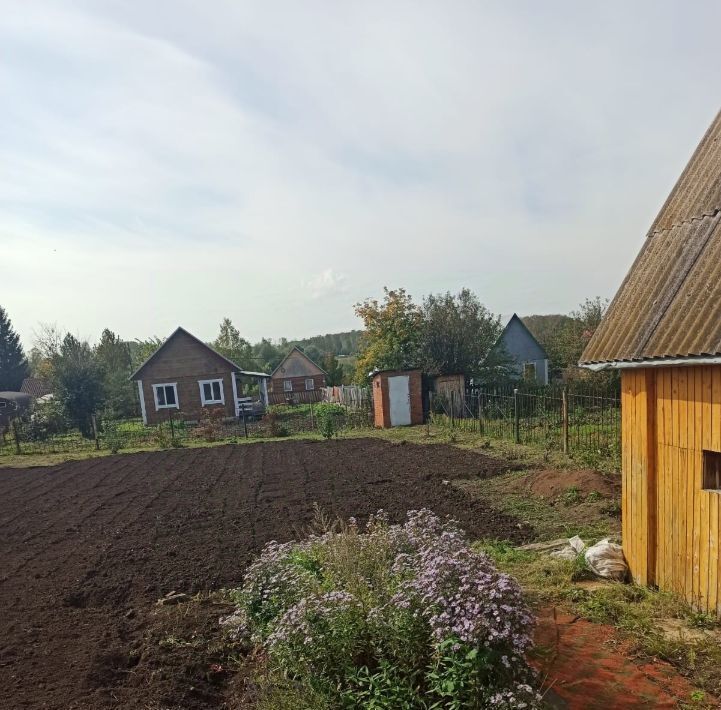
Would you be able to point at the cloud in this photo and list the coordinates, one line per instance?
(159, 162)
(326, 284)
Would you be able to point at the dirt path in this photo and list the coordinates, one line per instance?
(86, 548)
(586, 667)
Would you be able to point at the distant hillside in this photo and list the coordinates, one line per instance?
(336, 343)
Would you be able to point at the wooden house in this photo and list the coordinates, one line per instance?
(663, 331)
(529, 360)
(185, 376)
(297, 379)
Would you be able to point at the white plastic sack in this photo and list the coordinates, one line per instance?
(572, 548)
(606, 560)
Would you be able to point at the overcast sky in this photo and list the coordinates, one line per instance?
(169, 163)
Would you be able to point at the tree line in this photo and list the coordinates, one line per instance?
(442, 334)
(449, 333)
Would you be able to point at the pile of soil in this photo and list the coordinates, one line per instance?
(87, 549)
(552, 483)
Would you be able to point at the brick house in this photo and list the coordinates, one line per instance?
(184, 377)
(297, 378)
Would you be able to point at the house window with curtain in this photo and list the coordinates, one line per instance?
(309, 384)
(287, 385)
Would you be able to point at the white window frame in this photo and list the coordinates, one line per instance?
(205, 401)
(159, 406)
(312, 384)
(287, 385)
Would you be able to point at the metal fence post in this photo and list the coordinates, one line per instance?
(516, 418)
(480, 415)
(564, 416)
(17, 436)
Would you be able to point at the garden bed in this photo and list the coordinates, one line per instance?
(89, 547)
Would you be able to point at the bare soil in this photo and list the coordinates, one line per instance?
(552, 483)
(87, 548)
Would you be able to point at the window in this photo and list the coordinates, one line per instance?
(309, 383)
(712, 471)
(529, 371)
(166, 395)
(287, 385)
(211, 392)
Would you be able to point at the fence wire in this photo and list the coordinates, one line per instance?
(24, 436)
(564, 419)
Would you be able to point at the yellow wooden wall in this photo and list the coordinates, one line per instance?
(670, 525)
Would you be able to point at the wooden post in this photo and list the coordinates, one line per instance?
(516, 418)
(17, 436)
(564, 416)
(94, 422)
(172, 427)
(312, 423)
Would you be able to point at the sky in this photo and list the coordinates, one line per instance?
(174, 162)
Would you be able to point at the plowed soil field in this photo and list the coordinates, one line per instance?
(87, 548)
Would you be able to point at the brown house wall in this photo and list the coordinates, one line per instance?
(381, 399)
(671, 525)
(185, 361)
(190, 404)
(276, 383)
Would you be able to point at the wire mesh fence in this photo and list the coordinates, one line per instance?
(573, 419)
(23, 436)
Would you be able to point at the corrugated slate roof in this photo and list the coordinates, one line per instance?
(35, 387)
(669, 304)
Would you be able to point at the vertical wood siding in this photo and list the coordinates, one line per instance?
(670, 525)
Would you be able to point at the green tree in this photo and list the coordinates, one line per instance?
(458, 334)
(576, 332)
(48, 339)
(113, 358)
(266, 355)
(236, 348)
(333, 370)
(13, 363)
(141, 350)
(78, 382)
(392, 333)
(548, 330)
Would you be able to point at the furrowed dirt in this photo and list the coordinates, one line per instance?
(87, 548)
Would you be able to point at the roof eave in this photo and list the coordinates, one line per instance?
(688, 361)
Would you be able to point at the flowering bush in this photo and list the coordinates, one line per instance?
(392, 616)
